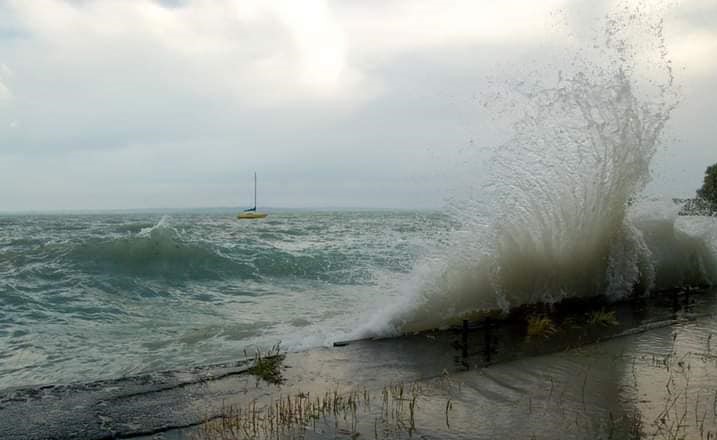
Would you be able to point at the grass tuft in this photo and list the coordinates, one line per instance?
(603, 318)
(341, 413)
(540, 326)
(268, 366)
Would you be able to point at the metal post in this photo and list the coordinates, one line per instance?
(465, 338)
(487, 340)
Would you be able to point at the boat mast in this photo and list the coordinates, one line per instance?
(254, 190)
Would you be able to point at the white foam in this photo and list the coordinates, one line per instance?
(561, 215)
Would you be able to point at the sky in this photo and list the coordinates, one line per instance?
(120, 104)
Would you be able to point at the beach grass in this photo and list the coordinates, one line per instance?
(539, 326)
(267, 366)
(346, 413)
(602, 318)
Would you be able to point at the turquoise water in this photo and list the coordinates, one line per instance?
(85, 297)
(558, 211)
(92, 296)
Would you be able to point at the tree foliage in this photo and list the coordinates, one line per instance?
(708, 192)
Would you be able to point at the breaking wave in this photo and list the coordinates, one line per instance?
(156, 250)
(561, 214)
(162, 250)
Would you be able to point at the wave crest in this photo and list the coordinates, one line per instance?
(157, 250)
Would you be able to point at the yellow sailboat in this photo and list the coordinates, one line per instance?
(251, 213)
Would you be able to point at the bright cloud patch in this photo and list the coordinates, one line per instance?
(255, 49)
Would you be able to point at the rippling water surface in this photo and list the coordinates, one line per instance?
(90, 296)
(561, 214)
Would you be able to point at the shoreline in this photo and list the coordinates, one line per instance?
(170, 403)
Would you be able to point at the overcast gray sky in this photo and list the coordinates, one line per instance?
(174, 103)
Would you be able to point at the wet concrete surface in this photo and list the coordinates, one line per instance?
(502, 374)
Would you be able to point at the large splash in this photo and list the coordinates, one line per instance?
(562, 213)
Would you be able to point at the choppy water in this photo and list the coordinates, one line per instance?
(90, 296)
(94, 296)
(561, 214)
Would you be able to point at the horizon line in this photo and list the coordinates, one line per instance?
(212, 208)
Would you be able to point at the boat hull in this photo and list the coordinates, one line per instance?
(251, 215)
